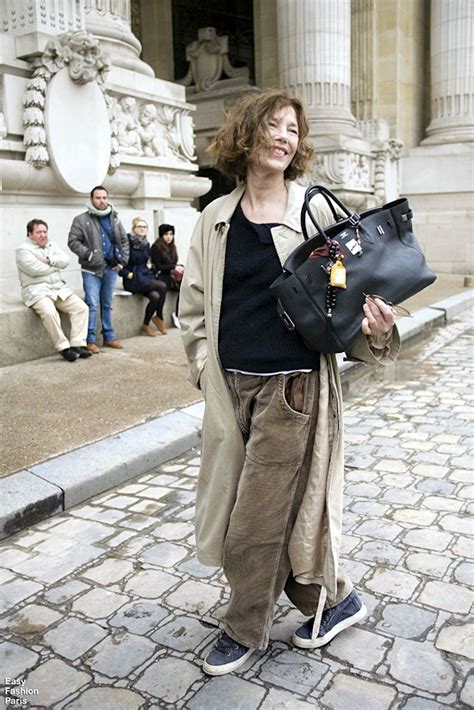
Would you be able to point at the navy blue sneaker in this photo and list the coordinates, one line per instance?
(226, 656)
(333, 621)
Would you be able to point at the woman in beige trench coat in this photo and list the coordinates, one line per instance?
(269, 500)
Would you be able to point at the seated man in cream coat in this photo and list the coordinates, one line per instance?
(39, 264)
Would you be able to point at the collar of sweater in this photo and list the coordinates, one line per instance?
(225, 206)
(100, 213)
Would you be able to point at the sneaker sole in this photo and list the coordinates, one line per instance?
(226, 667)
(323, 640)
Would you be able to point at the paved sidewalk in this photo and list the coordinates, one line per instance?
(104, 606)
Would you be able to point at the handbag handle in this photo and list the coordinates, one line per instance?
(330, 198)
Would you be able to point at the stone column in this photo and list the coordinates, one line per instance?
(314, 44)
(314, 60)
(109, 20)
(363, 60)
(452, 78)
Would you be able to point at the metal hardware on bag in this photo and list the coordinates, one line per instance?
(354, 219)
(287, 320)
(380, 229)
(405, 217)
(358, 251)
(354, 247)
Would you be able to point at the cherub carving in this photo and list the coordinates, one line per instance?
(151, 132)
(127, 127)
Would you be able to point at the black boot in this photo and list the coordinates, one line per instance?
(70, 354)
(82, 351)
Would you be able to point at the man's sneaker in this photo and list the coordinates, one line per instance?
(226, 656)
(333, 621)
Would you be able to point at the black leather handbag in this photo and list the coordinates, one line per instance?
(326, 278)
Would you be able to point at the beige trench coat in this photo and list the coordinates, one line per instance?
(315, 540)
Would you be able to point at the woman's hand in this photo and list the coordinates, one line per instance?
(379, 317)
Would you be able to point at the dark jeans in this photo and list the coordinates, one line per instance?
(99, 291)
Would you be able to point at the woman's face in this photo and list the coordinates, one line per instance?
(284, 132)
(140, 230)
(168, 237)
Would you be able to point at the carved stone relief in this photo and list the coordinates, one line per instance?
(358, 170)
(208, 61)
(137, 127)
(22, 16)
(150, 130)
(339, 168)
(78, 51)
(386, 156)
(375, 172)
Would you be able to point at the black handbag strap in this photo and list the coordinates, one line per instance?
(330, 198)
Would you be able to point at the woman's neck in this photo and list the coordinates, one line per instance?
(265, 197)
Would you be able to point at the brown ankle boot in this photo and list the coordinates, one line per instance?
(160, 324)
(147, 330)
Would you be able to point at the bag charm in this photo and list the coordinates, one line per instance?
(337, 275)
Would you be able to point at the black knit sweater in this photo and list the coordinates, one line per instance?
(252, 338)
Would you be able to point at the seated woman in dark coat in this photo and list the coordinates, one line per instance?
(139, 278)
(164, 257)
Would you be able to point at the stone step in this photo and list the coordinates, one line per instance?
(23, 337)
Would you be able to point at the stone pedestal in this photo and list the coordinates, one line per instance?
(439, 181)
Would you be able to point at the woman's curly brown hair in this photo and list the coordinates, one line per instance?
(244, 134)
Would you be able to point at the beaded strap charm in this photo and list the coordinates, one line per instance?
(336, 273)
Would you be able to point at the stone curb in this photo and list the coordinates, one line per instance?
(29, 496)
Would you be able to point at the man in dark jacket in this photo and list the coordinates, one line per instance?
(98, 238)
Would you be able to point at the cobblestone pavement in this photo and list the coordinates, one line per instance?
(105, 606)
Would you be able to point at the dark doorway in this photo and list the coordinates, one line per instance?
(220, 186)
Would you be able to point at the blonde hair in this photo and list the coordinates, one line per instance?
(245, 132)
(136, 220)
